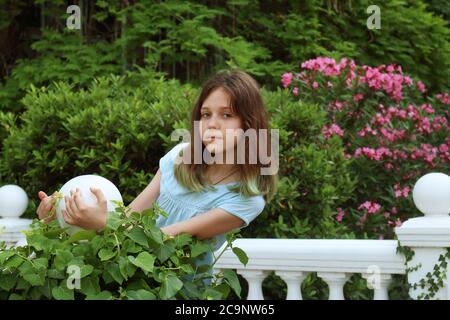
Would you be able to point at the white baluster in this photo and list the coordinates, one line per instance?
(293, 281)
(336, 282)
(254, 279)
(379, 283)
(428, 236)
(13, 203)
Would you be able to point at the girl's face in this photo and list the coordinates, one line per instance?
(216, 119)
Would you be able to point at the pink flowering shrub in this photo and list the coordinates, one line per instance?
(392, 129)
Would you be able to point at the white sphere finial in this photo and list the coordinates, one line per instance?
(431, 194)
(13, 201)
(84, 183)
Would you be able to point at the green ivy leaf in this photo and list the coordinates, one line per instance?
(164, 251)
(62, 259)
(106, 254)
(62, 293)
(81, 235)
(140, 295)
(104, 295)
(199, 248)
(242, 256)
(232, 279)
(86, 270)
(5, 255)
(170, 286)
(138, 235)
(144, 260)
(114, 271)
(114, 221)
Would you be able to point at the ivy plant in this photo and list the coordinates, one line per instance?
(131, 258)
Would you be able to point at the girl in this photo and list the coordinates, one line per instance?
(203, 199)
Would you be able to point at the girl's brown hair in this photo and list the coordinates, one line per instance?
(247, 103)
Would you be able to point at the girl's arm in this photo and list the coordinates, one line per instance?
(206, 225)
(146, 198)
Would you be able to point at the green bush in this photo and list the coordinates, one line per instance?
(393, 130)
(60, 57)
(129, 259)
(111, 129)
(189, 40)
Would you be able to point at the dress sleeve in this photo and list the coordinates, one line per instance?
(246, 208)
(168, 160)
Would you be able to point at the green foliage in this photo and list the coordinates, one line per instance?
(189, 40)
(314, 177)
(61, 56)
(129, 259)
(111, 129)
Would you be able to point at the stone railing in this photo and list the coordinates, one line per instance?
(333, 260)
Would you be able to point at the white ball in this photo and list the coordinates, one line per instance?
(84, 183)
(431, 194)
(13, 201)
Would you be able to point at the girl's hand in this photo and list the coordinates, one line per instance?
(87, 217)
(45, 210)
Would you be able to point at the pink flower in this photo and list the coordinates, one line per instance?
(401, 193)
(396, 223)
(407, 80)
(424, 126)
(390, 68)
(286, 79)
(295, 91)
(336, 105)
(373, 154)
(328, 131)
(439, 122)
(427, 108)
(358, 97)
(340, 214)
(371, 207)
(388, 166)
(443, 148)
(421, 86)
(366, 130)
(315, 85)
(444, 98)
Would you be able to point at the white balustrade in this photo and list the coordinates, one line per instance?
(335, 261)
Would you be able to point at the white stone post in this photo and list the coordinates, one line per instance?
(254, 279)
(293, 280)
(428, 236)
(13, 203)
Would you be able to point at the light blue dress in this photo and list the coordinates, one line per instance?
(182, 204)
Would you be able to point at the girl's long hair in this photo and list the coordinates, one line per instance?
(247, 103)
